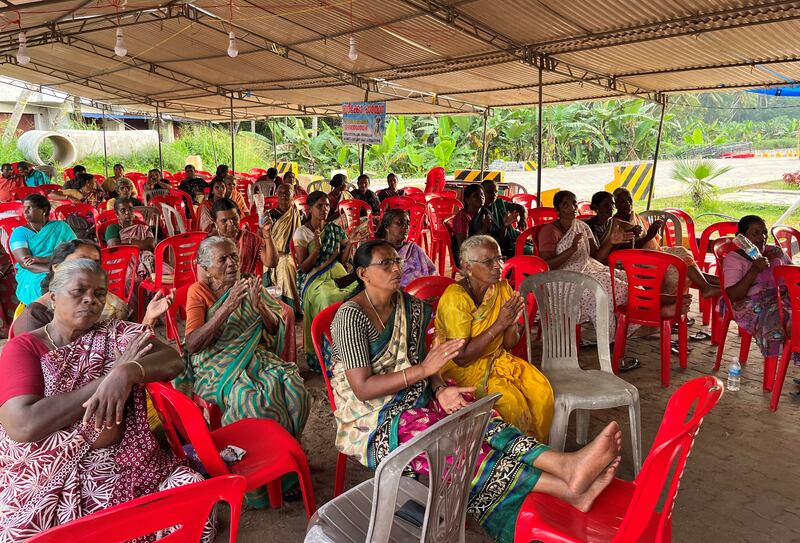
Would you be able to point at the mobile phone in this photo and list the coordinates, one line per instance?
(412, 512)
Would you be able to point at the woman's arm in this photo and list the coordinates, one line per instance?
(29, 262)
(738, 291)
(269, 254)
(344, 252)
(204, 335)
(556, 260)
(306, 260)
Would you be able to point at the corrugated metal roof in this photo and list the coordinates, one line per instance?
(421, 56)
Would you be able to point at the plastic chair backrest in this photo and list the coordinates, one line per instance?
(585, 208)
(645, 271)
(249, 222)
(321, 326)
(718, 229)
(351, 213)
(408, 191)
(721, 248)
(82, 210)
(8, 209)
(401, 202)
(186, 506)
(784, 237)
(542, 215)
(688, 226)
(49, 187)
(416, 219)
(181, 417)
(558, 296)
(671, 233)
(7, 226)
(532, 234)
(790, 277)
(451, 447)
(419, 197)
(323, 185)
(120, 264)
(440, 194)
(20, 193)
(184, 249)
(429, 289)
(517, 268)
(300, 202)
(435, 180)
(440, 209)
(682, 419)
(528, 201)
(69, 173)
(187, 207)
(172, 219)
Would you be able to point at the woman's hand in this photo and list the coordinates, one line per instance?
(266, 228)
(761, 263)
(655, 228)
(451, 398)
(158, 306)
(510, 218)
(239, 291)
(576, 241)
(254, 291)
(511, 311)
(618, 234)
(440, 355)
(357, 236)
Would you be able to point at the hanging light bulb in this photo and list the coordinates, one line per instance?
(353, 54)
(22, 52)
(119, 47)
(232, 50)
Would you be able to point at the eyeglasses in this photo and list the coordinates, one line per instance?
(490, 262)
(389, 262)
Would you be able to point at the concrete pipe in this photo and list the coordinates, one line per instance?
(30, 142)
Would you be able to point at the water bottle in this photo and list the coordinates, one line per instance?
(734, 376)
(747, 246)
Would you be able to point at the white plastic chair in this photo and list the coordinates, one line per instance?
(668, 219)
(172, 220)
(558, 295)
(367, 511)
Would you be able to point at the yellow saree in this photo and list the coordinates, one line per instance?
(527, 400)
(284, 275)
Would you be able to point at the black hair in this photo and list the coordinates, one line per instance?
(119, 202)
(363, 257)
(222, 170)
(211, 190)
(487, 182)
(338, 180)
(60, 254)
(272, 173)
(83, 179)
(5, 165)
(223, 204)
(313, 197)
(78, 169)
(470, 190)
(154, 170)
(120, 165)
(391, 174)
(388, 217)
(363, 175)
(38, 201)
(560, 196)
(189, 166)
(598, 198)
(22, 164)
(745, 223)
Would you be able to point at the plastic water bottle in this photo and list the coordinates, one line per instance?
(747, 246)
(734, 376)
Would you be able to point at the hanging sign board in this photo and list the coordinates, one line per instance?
(363, 122)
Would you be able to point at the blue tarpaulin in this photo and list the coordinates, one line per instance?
(778, 91)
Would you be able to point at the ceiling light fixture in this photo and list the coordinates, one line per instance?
(22, 52)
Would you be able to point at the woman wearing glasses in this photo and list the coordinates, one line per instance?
(484, 311)
(394, 229)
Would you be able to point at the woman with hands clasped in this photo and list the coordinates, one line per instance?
(74, 436)
(322, 250)
(387, 389)
(484, 311)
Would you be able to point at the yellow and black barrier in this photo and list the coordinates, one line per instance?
(637, 178)
(284, 167)
(475, 175)
(530, 166)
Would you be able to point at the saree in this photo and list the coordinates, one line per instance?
(284, 275)
(416, 265)
(508, 244)
(670, 283)
(250, 246)
(527, 401)
(40, 244)
(370, 430)
(61, 478)
(147, 260)
(318, 288)
(205, 223)
(581, 261)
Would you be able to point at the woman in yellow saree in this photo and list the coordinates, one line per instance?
(485, 310)
(286, 220)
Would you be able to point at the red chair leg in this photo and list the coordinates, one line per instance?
(705, 310)
(722, 331)
(744, 348)
(304, 475)
(770, 364)
(666, 337)
(275, 494)
(341, 468)
(683, 341)
(780, 377)
(620, 342)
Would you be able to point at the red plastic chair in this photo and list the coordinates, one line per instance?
(529, 234)
(120, 264)
(188, 507)
(789, 276)
(270, 203)
(518, 268)
(20, 193)
(271, 451)
(585, 208)
(351, 214)
(408, 191)
(188, 205)
(439, 210)
(69, 173)
(321, 326)
(721, 248)
(542, 215)
(528, 201)
(416, 219)
(440, 194)
(783, 235)
(183, 248)
(104, 220)
(49, 187)
(688, 227)
(7, 226)
(399, 202)
(300, 202)
(419, 197)
(645, 272)
(11, 209)
(504, 198)
(82, 210)
(429, 289)
(707, 262)
(435, 180)
(627, 512)
(249, 222)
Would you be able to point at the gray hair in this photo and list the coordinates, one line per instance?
(472, 243)
(64, 273)
(206, 247)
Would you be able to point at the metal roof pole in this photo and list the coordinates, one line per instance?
(483, 141)
(105, 147)
(233, 142)
(539, 160)
(158, 128)
(655, 157)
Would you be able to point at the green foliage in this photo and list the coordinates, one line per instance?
(697, 176)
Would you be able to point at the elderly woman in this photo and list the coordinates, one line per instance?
(234, 331)
(484, 311)
(205, 221)
(128, 232)
(32, 244)
(125, 191)
(322, 250)
(74, 437)
(394, 229)
(286, 219)
(750, 285)
(388, 389)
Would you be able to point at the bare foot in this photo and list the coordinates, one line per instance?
(583, 502)
(589, 462)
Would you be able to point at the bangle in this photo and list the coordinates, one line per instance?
(437, 389)
(405, 377)
(140, 367)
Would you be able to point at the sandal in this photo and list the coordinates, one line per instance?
(689, 322)
(628, 363)
(700, 335)
(795, 395)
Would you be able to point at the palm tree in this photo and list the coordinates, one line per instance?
(697, 176)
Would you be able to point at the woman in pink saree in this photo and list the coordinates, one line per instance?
(74, 437)
(129, 232)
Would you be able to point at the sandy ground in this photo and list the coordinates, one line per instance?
(741, 483)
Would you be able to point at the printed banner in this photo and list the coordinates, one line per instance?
(363, 122)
